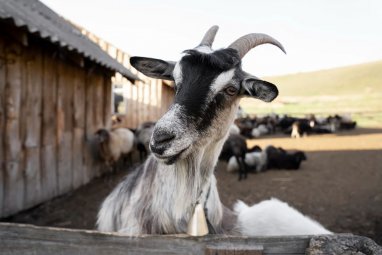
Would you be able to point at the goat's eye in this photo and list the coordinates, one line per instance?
(231, 90)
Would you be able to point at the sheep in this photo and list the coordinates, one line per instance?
(278, 158)
(236, 146)
(162, 195)
(114, 144)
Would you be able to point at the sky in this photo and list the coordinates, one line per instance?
(317, 34)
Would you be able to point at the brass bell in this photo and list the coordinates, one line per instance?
(197, 226)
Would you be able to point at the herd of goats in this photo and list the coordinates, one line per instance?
(119, 143)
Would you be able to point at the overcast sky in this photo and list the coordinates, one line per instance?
(316, 34)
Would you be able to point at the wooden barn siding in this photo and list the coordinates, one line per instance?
(49, 111)
(148, 99)
(2, 122)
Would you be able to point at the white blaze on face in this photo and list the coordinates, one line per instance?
(222, 80)
(177, 73)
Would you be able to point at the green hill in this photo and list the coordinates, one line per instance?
(355, 90)
(349, 80)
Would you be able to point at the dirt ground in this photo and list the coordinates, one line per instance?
(340, 185)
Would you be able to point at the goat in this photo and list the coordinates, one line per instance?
(115, 144)
(236, 146)
(161, 196)
(280, 159)
(300, 128)
(274, 218)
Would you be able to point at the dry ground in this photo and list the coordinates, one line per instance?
(340, 185)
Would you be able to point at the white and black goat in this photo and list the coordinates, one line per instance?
(160, 197)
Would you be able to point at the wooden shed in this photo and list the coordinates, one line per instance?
(55, 92)
(145, 100)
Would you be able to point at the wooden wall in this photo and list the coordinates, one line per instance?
(50, 107)
(146, 100)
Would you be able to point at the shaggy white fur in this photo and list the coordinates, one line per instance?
(274, 218)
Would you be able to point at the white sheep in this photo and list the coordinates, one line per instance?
(260, 131)
(115, 143)
(255, 160)
(274, 218)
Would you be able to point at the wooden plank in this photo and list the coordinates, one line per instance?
(24, 239)
(31, 122)
(64, 112)
(99, 101)
(2, 121)
(49, 128)
(14, 181)
(27, 239)
(107, 88)
(77, 160)
(89, 171)
(79, 127)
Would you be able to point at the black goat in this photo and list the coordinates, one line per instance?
(278, 158)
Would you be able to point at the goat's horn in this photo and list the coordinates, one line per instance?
(209, 37)
(247, 42)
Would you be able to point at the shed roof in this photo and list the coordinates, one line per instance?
(47, 24)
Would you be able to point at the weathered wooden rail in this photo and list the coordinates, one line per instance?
(28, 239)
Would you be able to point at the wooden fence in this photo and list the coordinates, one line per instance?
(146, 100)
(27, 239)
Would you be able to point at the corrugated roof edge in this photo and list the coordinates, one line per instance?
(94, 53)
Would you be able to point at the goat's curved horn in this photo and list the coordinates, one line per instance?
(209, 37)
(247, 42)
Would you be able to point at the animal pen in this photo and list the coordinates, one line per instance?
(55, 92)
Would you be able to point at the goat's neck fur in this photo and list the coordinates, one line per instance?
(179, 186)
(160, 198)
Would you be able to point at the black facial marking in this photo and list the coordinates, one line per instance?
(198, 73)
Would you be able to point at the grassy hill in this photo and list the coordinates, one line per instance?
(355, 90)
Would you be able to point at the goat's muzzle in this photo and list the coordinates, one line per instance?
(161, 140)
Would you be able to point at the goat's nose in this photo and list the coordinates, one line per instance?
(162, 137)
(160, 141)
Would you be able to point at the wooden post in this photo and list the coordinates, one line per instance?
(14, 181)
(49, 128)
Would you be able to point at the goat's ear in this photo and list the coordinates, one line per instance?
(260, 89)
(154, 68)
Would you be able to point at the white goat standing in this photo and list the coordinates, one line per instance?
(161, 196)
